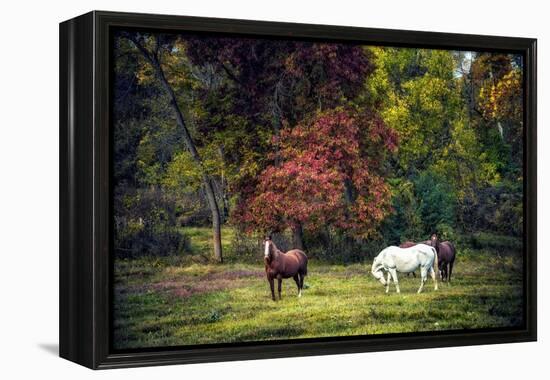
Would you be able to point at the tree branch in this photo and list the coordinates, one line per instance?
(230, 74)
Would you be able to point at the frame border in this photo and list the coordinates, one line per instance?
(84, 108)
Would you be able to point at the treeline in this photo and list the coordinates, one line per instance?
(342, 147)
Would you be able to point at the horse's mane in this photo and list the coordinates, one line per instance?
(276, 251)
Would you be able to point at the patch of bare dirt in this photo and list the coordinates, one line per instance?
(187, 286)
(233, 275)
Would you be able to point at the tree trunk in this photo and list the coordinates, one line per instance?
(216, 223)
(223, 188)
(297, 237)
(207, 181)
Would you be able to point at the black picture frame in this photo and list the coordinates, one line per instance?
(85, 206)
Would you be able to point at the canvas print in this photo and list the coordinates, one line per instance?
(268, 189)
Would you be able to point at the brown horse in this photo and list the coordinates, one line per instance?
(446, 254)
(279, 265)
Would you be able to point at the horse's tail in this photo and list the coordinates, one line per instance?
(436, 264)
(452, 247)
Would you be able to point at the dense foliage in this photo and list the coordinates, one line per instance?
(334, 145)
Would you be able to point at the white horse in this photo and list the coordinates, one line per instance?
(405, 260)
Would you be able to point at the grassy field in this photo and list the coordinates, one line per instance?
(171, 301)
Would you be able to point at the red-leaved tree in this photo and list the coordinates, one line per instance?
(325, 172)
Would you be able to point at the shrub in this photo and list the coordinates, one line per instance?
(145, 225)
(436, 203)
(245, 247)
(421, 206)
(500, 243)
(498, 209)
(337, 247)
(445, 232)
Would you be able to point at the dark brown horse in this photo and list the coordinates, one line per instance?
(446, 254)
(279, 265)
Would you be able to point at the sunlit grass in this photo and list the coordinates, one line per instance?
(201, 239)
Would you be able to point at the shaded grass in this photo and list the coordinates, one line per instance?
(231, 302)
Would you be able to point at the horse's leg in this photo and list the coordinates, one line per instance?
(297, 280)
(388, 282)
(395, 279)
(272, 286)
(279, 283)
(450, 271)
(434, 278)
(423, 275)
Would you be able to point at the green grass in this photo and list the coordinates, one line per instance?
(201, 239)
(169, 301)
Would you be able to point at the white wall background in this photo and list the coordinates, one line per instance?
(29, 186)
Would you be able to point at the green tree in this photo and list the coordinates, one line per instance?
(420, 96)
(160, 53)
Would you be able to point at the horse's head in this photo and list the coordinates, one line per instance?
(434, 240)
(377, 272)
(268, 248)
